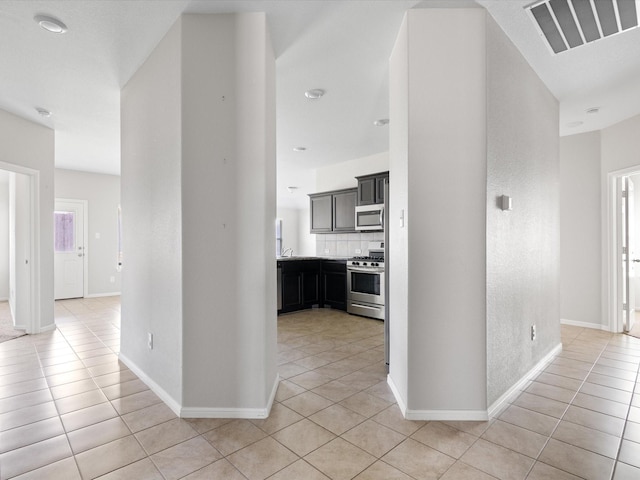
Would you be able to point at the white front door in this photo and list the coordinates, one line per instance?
(69, 249)
(628, 254)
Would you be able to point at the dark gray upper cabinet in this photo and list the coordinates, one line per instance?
(344, 207)
(333, 211)
(371, 188)
(321, 213)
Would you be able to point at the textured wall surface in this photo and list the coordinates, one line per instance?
(523, 245)
(580, 229)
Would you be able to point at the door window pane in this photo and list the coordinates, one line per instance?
(64, 232)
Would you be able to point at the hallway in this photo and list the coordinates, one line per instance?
(70, 410)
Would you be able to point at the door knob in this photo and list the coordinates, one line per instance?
(636, 260)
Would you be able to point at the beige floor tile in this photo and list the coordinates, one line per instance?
(392, 417)
(551, 391)
(534, 421)
(383, 391)
(613, 373)
(88, 416)
(30, 434)
(23, 387)
(539, 404)
(287, 389)
(587, 438)
(608, 393)
(374, 438)
(335, 390)
(13, 378)
(25, 400)
(98, 434)
(559, 381)
(634, 414)
(123, 389)
(382, 471)
(63, 368)
(462, 471)
(312, 362)
(234, 435)
(203, 425)
(418, 460)
(601, 405)
(68, 377)
(310, 380)
(80, 401)
(595, 420)
(185, 458)
(114, 378)
(303, 437)
(307, 403)
(34, 456)
(165, 435)
(134, 402)
(24, 416)
(542, 471)
(221, 469)
(148, 417)
(297, 471)
(577, 461)
(632, 432)
(365, 404)
(340, 460)
(107, 458)
(626, 472)
(497, 461)
(262, 459)
(337, 419)
(630, 453)
(444, 438)
(515, 438)
(61, 470)
(476, 428)
(279, 418)
(141, 470)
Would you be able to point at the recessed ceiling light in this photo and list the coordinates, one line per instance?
(314, 94)
(299, 149)
(593, 110)
(50, 24)
(574, 124)
(381, 122)
(44, 112)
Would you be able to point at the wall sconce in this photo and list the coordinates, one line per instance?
(506, 203)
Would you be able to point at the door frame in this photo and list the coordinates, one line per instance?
(611, 247)
(34, 320)
(85, 233)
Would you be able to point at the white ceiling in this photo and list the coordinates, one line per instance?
(341, 46)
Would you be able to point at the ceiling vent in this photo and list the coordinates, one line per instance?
(567, 24)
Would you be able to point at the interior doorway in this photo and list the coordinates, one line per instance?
(623, 243)
(70, 248)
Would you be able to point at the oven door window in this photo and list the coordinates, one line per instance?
(368, 283)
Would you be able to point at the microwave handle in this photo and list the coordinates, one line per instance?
(382, 217)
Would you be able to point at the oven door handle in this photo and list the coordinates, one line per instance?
(359, 305)
(366, 270)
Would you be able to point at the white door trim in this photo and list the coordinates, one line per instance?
(33, 325)
(612, 268)
(85, 219)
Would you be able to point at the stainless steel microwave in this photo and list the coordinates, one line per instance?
(370, 217)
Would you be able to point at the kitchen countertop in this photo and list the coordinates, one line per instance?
(287, 259)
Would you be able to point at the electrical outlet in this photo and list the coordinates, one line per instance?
(326, 250)
(358, 251)
(533, 332)
(112, 279)
(150, 341)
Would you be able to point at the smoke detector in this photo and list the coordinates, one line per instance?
(567, 24)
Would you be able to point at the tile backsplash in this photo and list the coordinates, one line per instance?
(345, 244)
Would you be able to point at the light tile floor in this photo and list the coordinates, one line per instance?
(70, 410)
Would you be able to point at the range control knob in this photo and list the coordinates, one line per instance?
(355, 263)
(364, 263)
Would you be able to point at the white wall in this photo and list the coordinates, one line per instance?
(580, 229)
(20, 249)
(290, 228)
(103, 195)
(4, 236)
(29, 145)
(523, 245)
(198, 196)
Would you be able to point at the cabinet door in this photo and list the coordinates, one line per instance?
(335, 289)
(380, 189)
(311, 287)
(291, 291)
(367, 191)
(344, 212)
(321, 213)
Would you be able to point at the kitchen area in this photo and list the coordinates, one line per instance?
(348, 272)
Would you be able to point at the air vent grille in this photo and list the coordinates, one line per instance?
(567, 24)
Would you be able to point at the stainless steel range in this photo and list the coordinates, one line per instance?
(365, 283)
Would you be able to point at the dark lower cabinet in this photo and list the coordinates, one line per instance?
(306, 283)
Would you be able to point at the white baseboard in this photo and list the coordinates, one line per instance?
(155, 388)
(245, 413)
(441, 415)
(527, 376)
(576, 323)
(99, 295)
